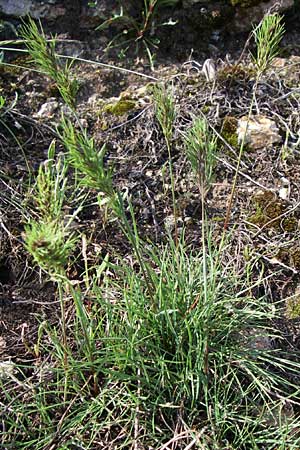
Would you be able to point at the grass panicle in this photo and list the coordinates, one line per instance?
(201, 150)
(165, 110)
(86, 159)
(50, 244)
(42, 52)
(50, 187)
(267, 35)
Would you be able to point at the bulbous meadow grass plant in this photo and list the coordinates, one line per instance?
(267, 35)
(49, 239)
(144, 357)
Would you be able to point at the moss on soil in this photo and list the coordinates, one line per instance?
(245, 3)
(120, 107)
(229, 130)
(235, 72)
(293, 307)
(267, 208)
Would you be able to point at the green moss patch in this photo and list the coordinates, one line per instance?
(293, 307)
(229, 130)
(119, 107)
(268, 207)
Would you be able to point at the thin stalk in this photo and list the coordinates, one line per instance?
(149, 12)
(233, 188)
(73, 58)
(133, 238)
(204, 262)
(64, 333)
(173, 190)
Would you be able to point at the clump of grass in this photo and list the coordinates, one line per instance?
(195, 357)
(139, 29)
(44, 57)
(138, 373)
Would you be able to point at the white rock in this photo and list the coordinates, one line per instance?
(170, 222)
(47, 109)
(209, 69)
(258, 132)
(7, 369)
(284, 191)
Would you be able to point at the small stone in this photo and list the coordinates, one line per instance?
(285, 190)
(284, 193)
(7, 369)
(209, 70)
(84, 123)
(256, 339)
(47, 109)
(258, 132)
(2, 343)
(170, 222)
